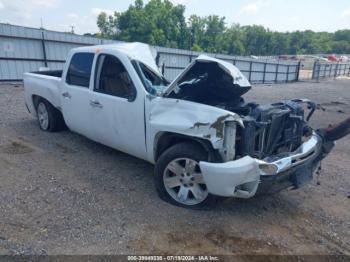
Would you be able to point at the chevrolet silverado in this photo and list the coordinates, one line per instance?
(206, 142)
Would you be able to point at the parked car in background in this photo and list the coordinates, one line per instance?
(332, 58)
(344, 59)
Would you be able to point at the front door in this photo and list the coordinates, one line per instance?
(116, 113)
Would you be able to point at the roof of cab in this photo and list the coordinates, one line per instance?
(136, 51)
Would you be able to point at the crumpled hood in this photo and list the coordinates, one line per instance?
(237, 76)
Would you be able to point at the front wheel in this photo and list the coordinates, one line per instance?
(178, 177)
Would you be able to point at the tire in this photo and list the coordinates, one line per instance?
(178, 178)
(49, 118)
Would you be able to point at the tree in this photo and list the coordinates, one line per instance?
(106, 24)
(341, 47)
(281, 43)
(213, 35)
(256, 40)
(197, 29)
(342, 35)
(233, 41)
(160, 22)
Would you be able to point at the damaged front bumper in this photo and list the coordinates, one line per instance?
(244, 177)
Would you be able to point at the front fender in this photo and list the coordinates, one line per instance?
(189, 119)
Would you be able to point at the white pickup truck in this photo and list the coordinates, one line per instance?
(206, 142)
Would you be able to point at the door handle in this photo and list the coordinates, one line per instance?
(66, 95)
(95, 103)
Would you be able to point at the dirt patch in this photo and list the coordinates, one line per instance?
(199, 243)
(239, 244)
(337, 107)
(305, 74)
(16, 148)
(65, 149)
(333, 103)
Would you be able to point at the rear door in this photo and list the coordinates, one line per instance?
(75, 93)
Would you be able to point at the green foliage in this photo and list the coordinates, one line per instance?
(160, 22)
(233, 41)
(106, 24)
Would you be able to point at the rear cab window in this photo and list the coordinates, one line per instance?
(79, 71)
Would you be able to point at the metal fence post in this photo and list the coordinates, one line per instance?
(298, 72)
(264, 75)
(43, 47)
(277, 68)
(157, 59)
(250, 70)
(336, 70)
(287, 78)
(314, 71)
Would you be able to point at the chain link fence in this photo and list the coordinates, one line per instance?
(329, 70)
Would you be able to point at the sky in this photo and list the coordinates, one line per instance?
(278, 15)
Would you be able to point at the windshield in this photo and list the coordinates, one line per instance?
(155, 84)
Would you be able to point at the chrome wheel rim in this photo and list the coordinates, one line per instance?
(184, 181)
(43, 116)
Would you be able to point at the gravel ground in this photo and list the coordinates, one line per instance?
(63, 194)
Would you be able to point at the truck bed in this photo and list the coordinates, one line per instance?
(55, 73)
(44, 84)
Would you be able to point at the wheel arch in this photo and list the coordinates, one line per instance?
(165, 140)
(36, 98)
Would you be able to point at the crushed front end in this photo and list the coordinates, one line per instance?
(273, 147)
(274, 150)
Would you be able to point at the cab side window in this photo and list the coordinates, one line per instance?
(79, 70)
(112, 78)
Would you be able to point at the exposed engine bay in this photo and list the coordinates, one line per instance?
(274, 129)
(269, 130)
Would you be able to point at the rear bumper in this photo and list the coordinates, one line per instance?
(244, 177)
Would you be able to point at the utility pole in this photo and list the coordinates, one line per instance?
(191, 40)
(72, 29)
(41, 23)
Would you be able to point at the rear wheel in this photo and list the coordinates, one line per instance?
(49, 118)
(178, 177)
(43, 116)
